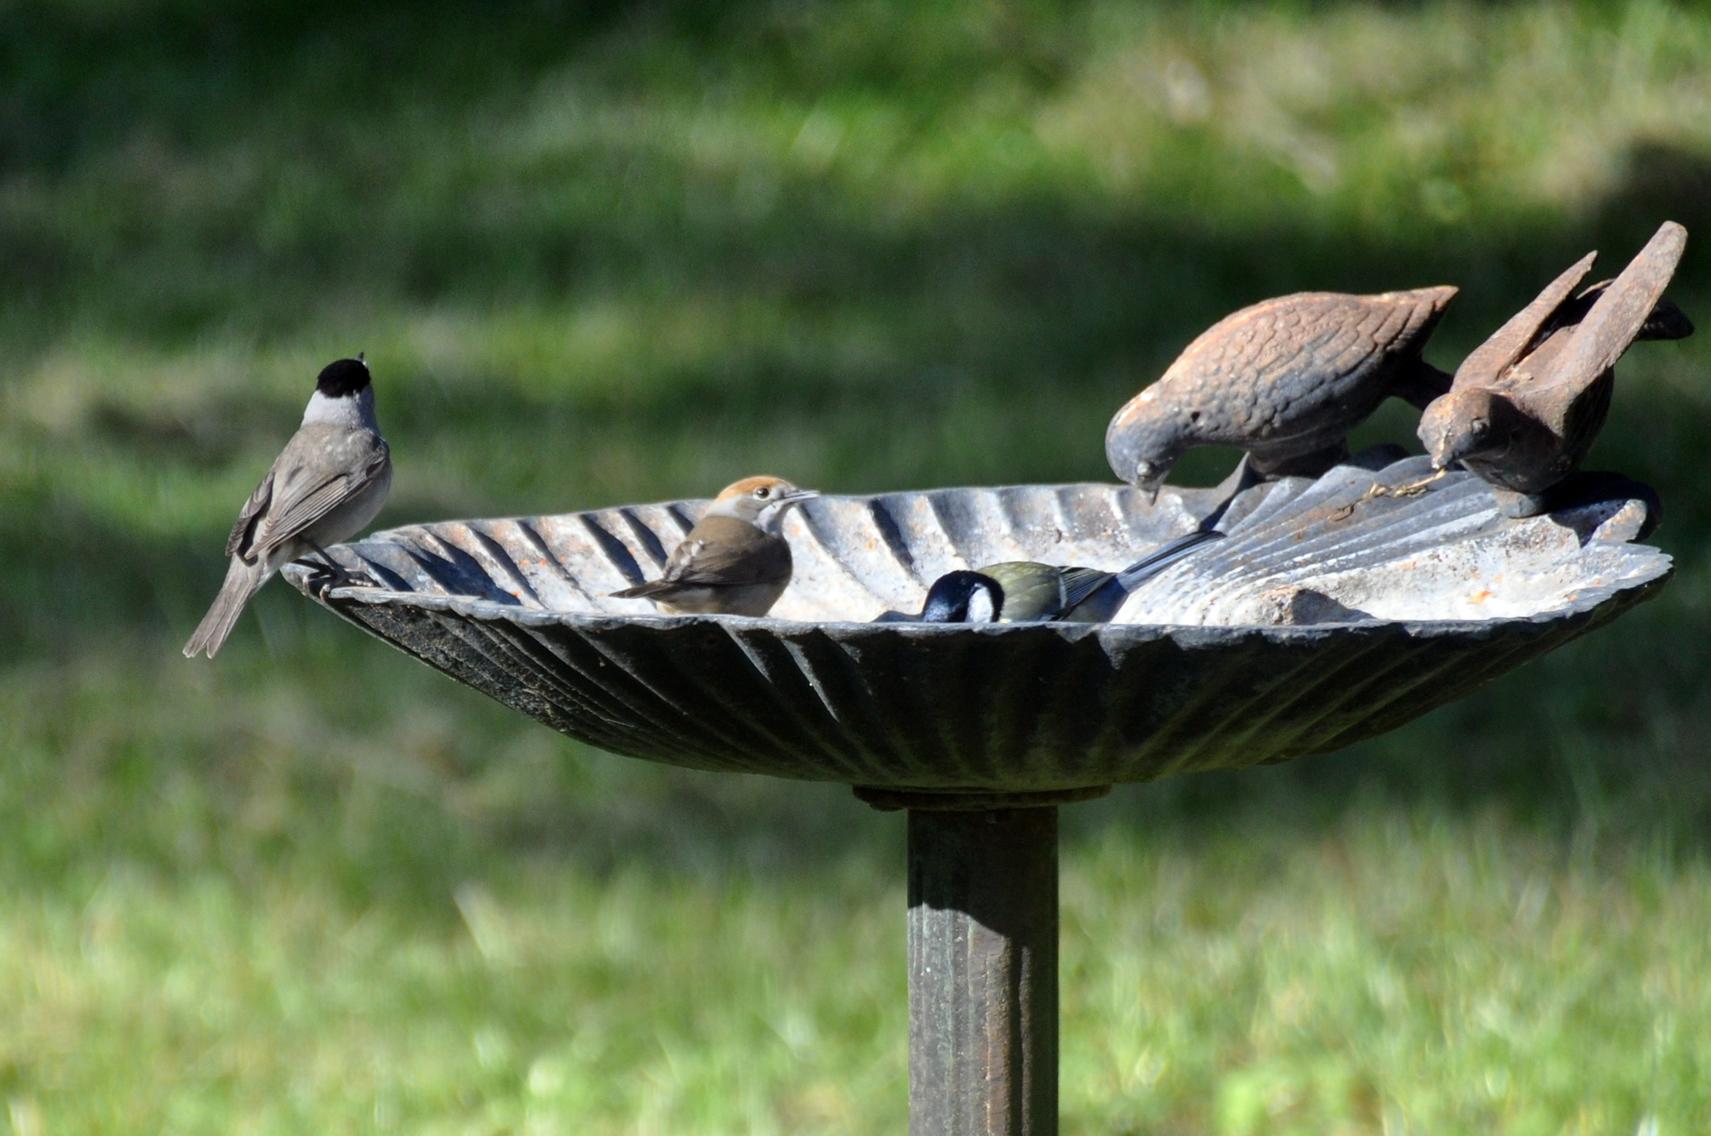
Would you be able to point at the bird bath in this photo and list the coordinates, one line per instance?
(1330, 613)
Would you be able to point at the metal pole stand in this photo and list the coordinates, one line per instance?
(983, 937)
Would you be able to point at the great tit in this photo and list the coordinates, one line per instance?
(1025, 591)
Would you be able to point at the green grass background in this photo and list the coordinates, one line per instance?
(604, 253)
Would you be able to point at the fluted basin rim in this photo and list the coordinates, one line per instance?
(1186, 633)
(1346, 644)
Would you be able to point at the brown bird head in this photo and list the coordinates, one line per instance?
(1145, 439)
(1472, 422)
(761, 501)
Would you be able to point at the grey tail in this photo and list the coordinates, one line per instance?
(1164, 556)
(241, 583)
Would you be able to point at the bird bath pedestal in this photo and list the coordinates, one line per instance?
(1333, 611)
(983, 935)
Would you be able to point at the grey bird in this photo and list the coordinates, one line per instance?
(325, 486)
(735, 561)
(1284, 380)
(1026, 591)
(1526, 405)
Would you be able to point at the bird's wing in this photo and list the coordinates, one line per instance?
(1032, 591)
(1508, 343)
(1666, 321)
(243, 530)
(1308, 349)
(1079, 583)
(726, 552)
(1618, 315)
(299, 503)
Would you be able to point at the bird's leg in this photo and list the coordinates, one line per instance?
(329, 573)
(326, 564)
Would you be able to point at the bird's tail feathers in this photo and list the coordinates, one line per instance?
(1666, 322)
(642, 591)
(242, 581)
(1164, 556)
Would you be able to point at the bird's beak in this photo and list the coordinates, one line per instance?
(797, 496)
(1148, 478)
(1149, 483)
(1443, 455)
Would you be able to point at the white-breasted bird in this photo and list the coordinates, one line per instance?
(735, 561)
(1026, 591)
(325, 486)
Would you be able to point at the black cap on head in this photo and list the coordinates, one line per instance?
(342, 378)
(956, 597)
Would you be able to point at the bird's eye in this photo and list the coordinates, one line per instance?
(763, 493)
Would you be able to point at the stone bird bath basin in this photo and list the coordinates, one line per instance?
(1320, 620)
(1331, 612)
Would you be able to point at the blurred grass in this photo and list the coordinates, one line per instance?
(608, 252)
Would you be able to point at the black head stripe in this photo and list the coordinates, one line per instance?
(342, 378)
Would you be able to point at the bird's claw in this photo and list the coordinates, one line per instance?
(327, 575)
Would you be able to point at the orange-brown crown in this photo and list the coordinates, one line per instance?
(749, 484)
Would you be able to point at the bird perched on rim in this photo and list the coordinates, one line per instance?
(1285, 380)
(325, 486)
(1026, 591)
(1526, 405)
(735, 561)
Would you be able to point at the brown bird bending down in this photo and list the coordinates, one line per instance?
(734, 561)
(1284, 380)
(1526, 405)
(326, 485)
